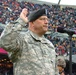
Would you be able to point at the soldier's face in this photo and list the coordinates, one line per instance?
(41, 24)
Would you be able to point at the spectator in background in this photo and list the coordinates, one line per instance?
(1, 29)
(61, 63)
(35, 54)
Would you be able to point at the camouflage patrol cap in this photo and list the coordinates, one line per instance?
(61, 61)
(36, 14)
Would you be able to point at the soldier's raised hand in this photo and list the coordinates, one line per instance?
(23, 15)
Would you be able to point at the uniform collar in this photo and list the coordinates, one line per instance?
(37, 38)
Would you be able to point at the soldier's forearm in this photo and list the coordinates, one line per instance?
(10, 34)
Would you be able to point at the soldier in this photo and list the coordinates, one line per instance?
(33, 53)
(61, 63)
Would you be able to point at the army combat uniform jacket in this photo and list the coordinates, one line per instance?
(34, 55)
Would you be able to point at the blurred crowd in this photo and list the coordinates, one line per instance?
(58, 16)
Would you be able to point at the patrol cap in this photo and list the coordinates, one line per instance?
(36, 14)
(61, 61)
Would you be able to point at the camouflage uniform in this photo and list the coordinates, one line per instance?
(33, 55)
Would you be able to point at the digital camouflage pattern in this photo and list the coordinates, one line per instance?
(32, 55)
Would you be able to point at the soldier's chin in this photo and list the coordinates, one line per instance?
(45, 31)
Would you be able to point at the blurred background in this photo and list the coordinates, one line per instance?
(61, 13)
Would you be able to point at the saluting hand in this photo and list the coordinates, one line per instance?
(23, 15)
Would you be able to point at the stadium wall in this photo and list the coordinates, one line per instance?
(41, 2)
(36, 1)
